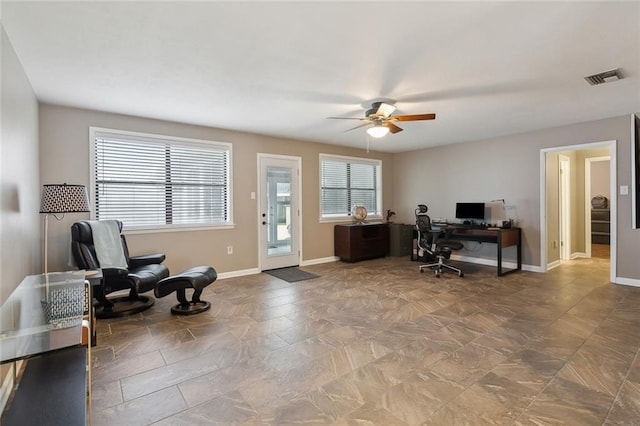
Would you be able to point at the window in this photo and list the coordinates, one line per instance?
(151, 181)
(346, 182)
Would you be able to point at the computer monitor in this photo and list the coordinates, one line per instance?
(470, 211)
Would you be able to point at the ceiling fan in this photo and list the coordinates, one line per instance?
(380, 120)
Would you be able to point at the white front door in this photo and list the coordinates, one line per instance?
(279, 211)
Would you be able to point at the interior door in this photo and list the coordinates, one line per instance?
(279, 211)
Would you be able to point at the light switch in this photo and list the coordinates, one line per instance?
(624, 190)
(253, 195)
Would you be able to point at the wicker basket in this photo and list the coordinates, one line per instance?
(64, 307)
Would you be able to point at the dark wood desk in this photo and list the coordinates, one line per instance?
(501, 237)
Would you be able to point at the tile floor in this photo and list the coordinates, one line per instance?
(376, 342)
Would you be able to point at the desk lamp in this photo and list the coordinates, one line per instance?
(60, 199)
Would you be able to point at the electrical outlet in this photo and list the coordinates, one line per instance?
(229, 249)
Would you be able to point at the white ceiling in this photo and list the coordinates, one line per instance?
(280, 68)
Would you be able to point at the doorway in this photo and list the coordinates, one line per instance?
(279, 211)
(550, 183)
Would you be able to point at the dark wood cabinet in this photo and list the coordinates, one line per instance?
(355, 242)
(600, 226)
(400, 236)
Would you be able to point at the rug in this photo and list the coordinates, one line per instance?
(291, 274)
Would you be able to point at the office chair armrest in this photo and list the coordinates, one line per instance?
(146, 259)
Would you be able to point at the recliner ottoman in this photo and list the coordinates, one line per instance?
(196, 278)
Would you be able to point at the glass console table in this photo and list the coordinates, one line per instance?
(42, 322)
(43, 314)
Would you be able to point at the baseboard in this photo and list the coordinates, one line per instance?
(319, 260)
(238, 273)
(578, 255)
(494, 263)
(553, 264)
(627, 281)
(8, 384)
(5, 389)
(253, 271)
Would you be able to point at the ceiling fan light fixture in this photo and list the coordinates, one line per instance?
(378, 131)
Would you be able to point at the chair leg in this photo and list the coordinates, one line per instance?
(181, 295)
(185, 307)
(452, 268)
(428, 266)
(120, 306)
(438, 267)
(107, 305)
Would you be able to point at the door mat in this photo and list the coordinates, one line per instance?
(291, 274)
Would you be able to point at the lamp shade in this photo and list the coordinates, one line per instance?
(63, 198)
(378, 131)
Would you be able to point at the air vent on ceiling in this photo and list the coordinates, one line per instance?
(604, 77)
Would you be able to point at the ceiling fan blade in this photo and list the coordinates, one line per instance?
(357, 127)
(347, 118)
(393, 128)
(385, 110)
(414, 117)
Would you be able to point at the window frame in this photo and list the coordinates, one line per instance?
(150, 137)
(350, 160)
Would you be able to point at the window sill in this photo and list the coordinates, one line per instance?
(190, 228)
(349, 219)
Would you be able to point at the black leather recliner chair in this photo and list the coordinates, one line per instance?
(142, 275)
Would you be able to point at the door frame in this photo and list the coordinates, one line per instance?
(261, 243)
(564, 171)
(613, 183)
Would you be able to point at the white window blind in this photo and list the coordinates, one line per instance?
(157, 181)
(346, 182)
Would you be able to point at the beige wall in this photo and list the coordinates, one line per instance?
(65, 158)
(509, 167)
(600, 179)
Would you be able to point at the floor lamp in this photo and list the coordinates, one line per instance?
(60, 199)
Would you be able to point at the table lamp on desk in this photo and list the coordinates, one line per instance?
(503, 221)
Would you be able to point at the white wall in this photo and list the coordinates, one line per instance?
(20, 222)
(19, 185)
(509, 167)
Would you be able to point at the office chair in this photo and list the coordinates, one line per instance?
(431, 243)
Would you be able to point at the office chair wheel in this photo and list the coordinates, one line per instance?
(437, 274)
(460, 274)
